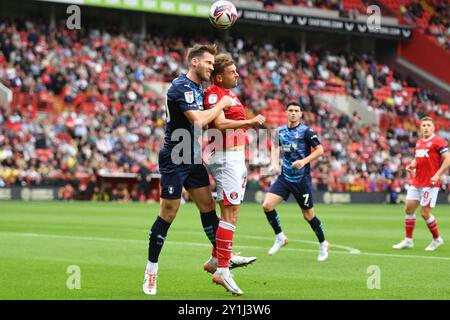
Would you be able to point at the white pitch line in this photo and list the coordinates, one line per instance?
(349, 249)
(20, 234)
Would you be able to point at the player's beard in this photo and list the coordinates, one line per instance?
(230, 84)
(204, 74)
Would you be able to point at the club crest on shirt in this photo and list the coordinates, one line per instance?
(189, 96)
(212, 99)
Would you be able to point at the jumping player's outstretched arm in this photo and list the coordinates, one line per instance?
(222, 123)
(202, 118)
(444, 166)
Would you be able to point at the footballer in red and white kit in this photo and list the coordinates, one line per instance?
(228, 137)
(428, 154)
(431, 160)
(227, 163)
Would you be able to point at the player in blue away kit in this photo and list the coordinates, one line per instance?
(296, 141)
(180, 164)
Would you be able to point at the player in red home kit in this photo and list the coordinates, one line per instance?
(432, 159)
(227, 165)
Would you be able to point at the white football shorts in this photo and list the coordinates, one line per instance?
(427, 196)
(230, 175)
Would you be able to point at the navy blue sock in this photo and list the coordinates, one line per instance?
(274, 220)
(317, 227)
(210, 223)
(157, 236)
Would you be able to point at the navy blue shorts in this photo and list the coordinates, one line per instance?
(175, 177)
(302, 191)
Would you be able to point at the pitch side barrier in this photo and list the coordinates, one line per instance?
(252, 196)
(345, 197)
(29, 194)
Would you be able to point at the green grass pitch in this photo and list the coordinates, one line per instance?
(108, 241)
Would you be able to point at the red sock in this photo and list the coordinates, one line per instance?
(224, 243)
(432, 226)
(410, 223)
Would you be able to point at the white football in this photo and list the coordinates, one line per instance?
(223, 14)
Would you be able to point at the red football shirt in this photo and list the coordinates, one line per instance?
(231, 138)
(428, 160)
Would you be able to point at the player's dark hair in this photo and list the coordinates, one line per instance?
(426, 119)
(199, 49)
(221, 61)
(294, 104)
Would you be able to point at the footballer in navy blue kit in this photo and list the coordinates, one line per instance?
(184, 114)
(295, 143)
(183, 95)
(296, 140)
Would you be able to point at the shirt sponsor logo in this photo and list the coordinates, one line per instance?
(234, 102)
(422, 153)
(286, 147)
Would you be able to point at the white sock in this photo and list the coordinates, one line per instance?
(224, 271)
(281, 236)
(227, 225)
(213, 259)
(430, 219)
(152, 267)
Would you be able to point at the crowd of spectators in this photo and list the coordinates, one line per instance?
(434, 19)
(268, 72)
(432, 16)
(113, 122)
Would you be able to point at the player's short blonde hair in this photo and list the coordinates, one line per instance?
(427, 119)
(221, 61)
(199, 49)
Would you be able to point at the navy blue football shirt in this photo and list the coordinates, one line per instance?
(183, 95)
(296, 144)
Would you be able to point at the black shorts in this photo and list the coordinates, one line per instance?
(302, 191)
(176, 176)
(191, 177)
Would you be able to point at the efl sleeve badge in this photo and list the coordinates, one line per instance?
(212, 99)
(189, 96)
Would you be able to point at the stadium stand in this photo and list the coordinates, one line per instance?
(430, 17)
(83, 103)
